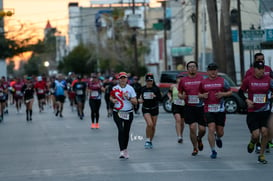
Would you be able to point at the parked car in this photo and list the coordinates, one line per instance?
(233, 103)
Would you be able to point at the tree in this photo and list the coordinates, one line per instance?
(221, 38)
(80, 60)
(118, 53)
(10, 67)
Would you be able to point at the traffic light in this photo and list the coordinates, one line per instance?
(234, 17)
(168, 24)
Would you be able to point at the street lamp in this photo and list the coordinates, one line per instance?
(46, 65)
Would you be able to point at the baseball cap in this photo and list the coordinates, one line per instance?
(149, 76)
(212, 66)
(122, 74)
(258, 64)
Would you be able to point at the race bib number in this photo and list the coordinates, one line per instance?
(79, 92)
(18, 93)
(94, 93)
(148, 95)
(214, 107)
(179, 102)
(193, 99)
(259, 98)
(124, 115)
(40, 91)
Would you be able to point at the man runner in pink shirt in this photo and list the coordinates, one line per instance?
(193, 111)
(213, 90)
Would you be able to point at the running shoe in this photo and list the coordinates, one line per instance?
(219, 142)
(258, 148)
(261, 159)
(200, 144)
(97, 125)
(126, 154)
(180, 140)
(121, 155)
(195, 152)
(57, 113)
(213, 154)
(93, 126)
(250, 147)
(148, 145)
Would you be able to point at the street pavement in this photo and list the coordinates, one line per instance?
(51, 148)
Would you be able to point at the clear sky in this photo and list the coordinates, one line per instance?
(35, 13)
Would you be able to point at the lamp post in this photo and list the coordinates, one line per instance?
(46, 65)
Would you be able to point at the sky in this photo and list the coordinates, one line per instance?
(35, 13)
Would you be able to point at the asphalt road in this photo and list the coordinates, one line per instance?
(66, 149)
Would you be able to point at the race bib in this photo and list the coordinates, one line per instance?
(1, 94)
(214, 107)
(40, 91)
(259, 98)
(124, 115)
(148, 95)
(193, 99)
(79, 92)
(94, 93)
(179, 102)
(18, 92)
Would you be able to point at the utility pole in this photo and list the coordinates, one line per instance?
(241, 49)
(196, 30)
(135, 41)
(165, 35)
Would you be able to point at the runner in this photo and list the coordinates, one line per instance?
(60, 94)
(124, 97)
(194, 109)
(150, 97)
(213, 90)
(28, 91)
(3, 94)
(268, 72)
(257, 86)
(40, 88)
(137, 86)
(95, 88)
(108, 86)
(79, 88)
(18, 95)
(177, 108)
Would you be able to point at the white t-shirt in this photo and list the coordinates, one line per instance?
(123, 104)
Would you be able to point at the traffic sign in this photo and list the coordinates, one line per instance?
(253, 35)
(181, 51)
(269, 34)
(235, 37)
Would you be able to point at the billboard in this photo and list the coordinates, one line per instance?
(102, 2)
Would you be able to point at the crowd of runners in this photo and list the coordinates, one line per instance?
(196, 101)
